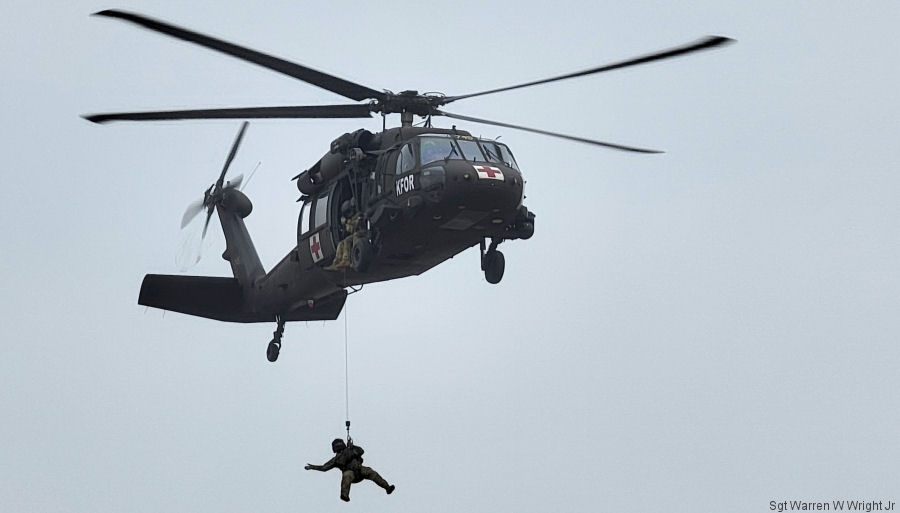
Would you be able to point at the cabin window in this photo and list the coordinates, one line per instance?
(304, 217)
(321, 211)
(406, 161)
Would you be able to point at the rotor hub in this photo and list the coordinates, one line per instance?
(407, 101)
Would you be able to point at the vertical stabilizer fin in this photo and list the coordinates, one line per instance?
(239, 249)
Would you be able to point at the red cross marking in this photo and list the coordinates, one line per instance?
(315, 248)
(491, 172)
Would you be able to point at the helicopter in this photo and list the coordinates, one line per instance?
(375, 207)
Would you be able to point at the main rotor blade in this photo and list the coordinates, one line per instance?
(545, 132)
(325, 81)
(231, 154)
(707, 42)
(287, 112)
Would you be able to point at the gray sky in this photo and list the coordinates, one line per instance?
(709, 329)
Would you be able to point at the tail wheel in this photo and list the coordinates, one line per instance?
(494, 265)
(361, 255)
(275, 345)
(273, 350)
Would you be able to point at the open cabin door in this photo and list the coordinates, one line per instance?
(320, 229)
(316, 238)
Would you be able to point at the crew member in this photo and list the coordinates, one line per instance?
(354, 231)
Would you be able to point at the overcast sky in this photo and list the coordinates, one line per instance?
(709, 329)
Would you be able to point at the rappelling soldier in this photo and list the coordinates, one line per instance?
(348, 458)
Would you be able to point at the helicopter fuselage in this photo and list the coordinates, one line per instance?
(398, 202)
(417, 211)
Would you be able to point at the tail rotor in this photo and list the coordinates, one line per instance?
(211, 197)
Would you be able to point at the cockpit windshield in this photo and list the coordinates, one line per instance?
(470, 150)
(436, 147)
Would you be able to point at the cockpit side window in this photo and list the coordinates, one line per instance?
(406, 162)
(498, 152)
(507, 156)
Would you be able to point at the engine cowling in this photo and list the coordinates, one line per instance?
(323, 172)
(333, 164)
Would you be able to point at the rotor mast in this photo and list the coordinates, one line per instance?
(408, 104)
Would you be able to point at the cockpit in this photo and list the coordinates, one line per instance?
(440, 147)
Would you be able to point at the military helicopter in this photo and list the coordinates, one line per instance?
(401, 201)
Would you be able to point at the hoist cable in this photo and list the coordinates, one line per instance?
(346, 373)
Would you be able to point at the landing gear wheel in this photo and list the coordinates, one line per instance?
(361, 255)
(273, 350)
(494, 265)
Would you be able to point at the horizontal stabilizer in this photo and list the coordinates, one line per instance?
(222, 299)
(214, 298)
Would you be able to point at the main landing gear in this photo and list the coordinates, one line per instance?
(275, 345)
(492, 262)
(362, 253)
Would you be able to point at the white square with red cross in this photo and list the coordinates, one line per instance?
(488, 173)
(315, 248)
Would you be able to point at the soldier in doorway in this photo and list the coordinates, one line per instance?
(354, 231)
(348, 459)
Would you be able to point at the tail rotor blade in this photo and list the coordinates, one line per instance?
(191, 238)
(191, 212)
(206, 224)
(193, 247)
(190, 246)
(234, 148)
(234, 183)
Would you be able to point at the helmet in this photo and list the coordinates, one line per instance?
(347, 208)
(338, 445)
(433, 150)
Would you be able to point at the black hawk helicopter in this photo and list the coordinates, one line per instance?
(400, 201)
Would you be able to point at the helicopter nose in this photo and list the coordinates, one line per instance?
(487, 187)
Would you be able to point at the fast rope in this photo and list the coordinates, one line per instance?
(346, 373)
